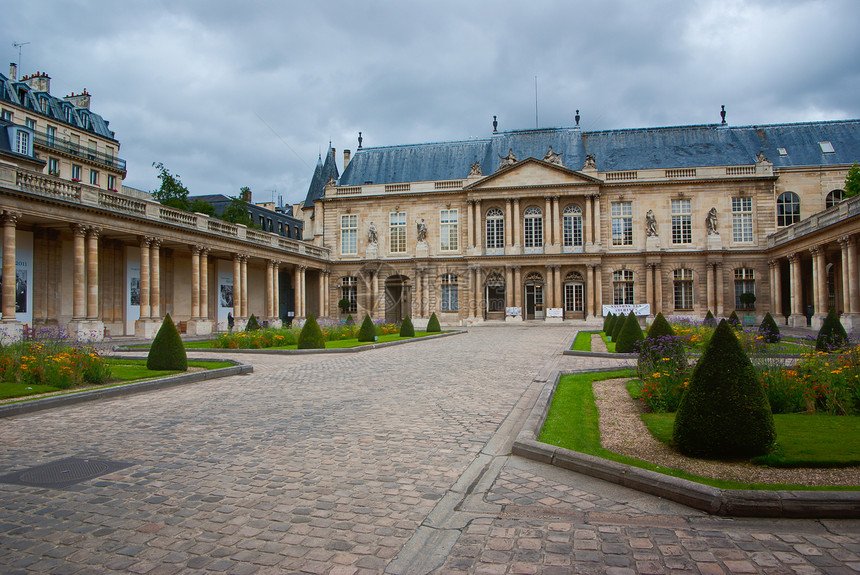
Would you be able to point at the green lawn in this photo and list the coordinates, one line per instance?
(573, 423)
(339, 344)
(583, 341)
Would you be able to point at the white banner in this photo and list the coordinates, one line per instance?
(625, 309)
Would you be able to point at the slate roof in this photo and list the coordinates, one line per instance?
(614, 150)
(324, 172)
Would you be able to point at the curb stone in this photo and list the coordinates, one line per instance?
(734, 502)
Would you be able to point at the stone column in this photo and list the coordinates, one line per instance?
(588, 224)
(658, 287)
(796, 319)
(237, 286)
(195, 282)
(649, 288)
(559, 298)
(556, 228)
(145, 311)
(711, 288)
(550, 290)
(79, 304)
(8, 274)
(823, 303)
(516, 223)
(244, 275)
(155, 275)
(375, 292)
(93, 274)
(598, 291)
(479, 218)
(301, 292)
(204, 283)
(509, 287)
(270, 292)
(518, 298)
(470, 223)
(479, 308)
(591, 290)
(508, 229)
(322, 283)
(776, 304)
(473, 282)
(547, 230)
(851, 284)
(596, 225)
(276, 279)
(718, 284)
(426, 288)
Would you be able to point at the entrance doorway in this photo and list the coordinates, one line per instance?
(494, 297)
(534, 296)
(396, 291)
(574, 291)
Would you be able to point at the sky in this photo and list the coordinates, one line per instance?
(229, 94)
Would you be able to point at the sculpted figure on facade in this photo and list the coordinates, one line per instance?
(590, 162)
(760, 157)
(552, 157)
(508, 160)
(422, 231)
(711, 222)
(475, 169)
(372, 236)
(650, 224)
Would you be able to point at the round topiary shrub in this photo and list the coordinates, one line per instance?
(710, 321)
(433, 325)
(406, 328)
(311, 336)
(253, 324)
(768, 329)
(660, 327)
(735, 321)
(367, 331)
(724, 413)
(617, 324)
(832, 335)
(630, 335)
(167, 351)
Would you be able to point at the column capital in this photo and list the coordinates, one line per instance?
(237, 258)
(11, 216)
(815, 250)
(793, 257)
(847, 241)
(195, 250)
(155, 243)
(79, 230)
(94, 231)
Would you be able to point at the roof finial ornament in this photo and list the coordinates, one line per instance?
(495, 125)
(723, 114)
(577, 118)
(359, 140)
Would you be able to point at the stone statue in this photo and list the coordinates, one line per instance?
(760, 157)
(711, 222)
(372, 236)
(552, 157)
(422, 231)
(650, 224)
(590, 162)
(475, 169)
(508, 160)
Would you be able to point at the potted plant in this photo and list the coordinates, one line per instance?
(748, 303)
(343, 305)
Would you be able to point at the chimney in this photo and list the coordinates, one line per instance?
(13, 71)
(345, 158)
(81, 100)
(38, 82)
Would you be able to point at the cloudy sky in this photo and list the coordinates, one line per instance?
(229, 94)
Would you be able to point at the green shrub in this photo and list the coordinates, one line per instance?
(735, 321)
(167, 351)
(617, 324)
(724, 413)
(367, 331)
(710, 320)
(433, 324)
(349, 320)
(660, 327)
(406, 328)
(253, 324)
(311, 336)
(606, 321)
(629, 335)
(768, 329)
(832, 335)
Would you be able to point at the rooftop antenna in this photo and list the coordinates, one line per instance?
(19, 45)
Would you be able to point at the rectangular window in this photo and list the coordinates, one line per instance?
(744, 283)
(30, 123)
(349, 292)
(111, 182)
(91, 149)
(76, 172)
(349, 234)
(622, 287)
(94, 177)
(742, 220)
(448, 230)
(397, 232)
(682, 225)
(573, 297)
(51, 134)
(683, 289)
(22, 142)
(54, 166)
(622, 223)
(495, 232)
(449, 293)
(572, 231)
(6, 115)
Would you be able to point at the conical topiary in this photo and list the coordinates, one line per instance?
(606, 321)
(167, 351)
(617, 324)
(367, 332)
(311, 336)
(832, 335)
(253, 324)
(349, 320)
(406, 328)
(630, 334)
(433, 324)
(768, 329)
(724, 413)
(734, 320)
(660, 327)
(710, 321)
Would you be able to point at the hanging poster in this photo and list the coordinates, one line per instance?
(225, 289)
(132, 286)
(23, 276)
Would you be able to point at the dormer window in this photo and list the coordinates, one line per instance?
(782, 151)
(826, 147)
(22, 143)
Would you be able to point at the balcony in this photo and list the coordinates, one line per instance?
(72, 149)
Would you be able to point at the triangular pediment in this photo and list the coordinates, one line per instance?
(532, 172)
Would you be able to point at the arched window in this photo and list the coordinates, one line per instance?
(834, 198)
(622, 287)
(450, 299)
(683, 289)
(349, 292)
(787, 209)
(495, 229)
(572, 226)
(533, 228)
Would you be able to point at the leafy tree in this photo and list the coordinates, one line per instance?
(202, 207)
(710, 320)
(606, 321)
(852, 181)
(236, 212)
(171, 193)
(734, 320)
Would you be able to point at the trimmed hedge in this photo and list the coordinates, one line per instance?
(768, 329)
(606, 321)
(311, 336)
(629, 335)
(406, 328)
(367, 331)
(660, 327)
(253, 324)
(832, 335)
(167, 351)
(710, 320)
(349, 320)
(724, 413)
(433, 324)
(617, 324)
(735, 321)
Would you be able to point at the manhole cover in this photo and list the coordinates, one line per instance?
(63, 472)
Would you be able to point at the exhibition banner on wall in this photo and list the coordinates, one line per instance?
(225, 290)
(23, 276)
(625, 309)
(132, 287)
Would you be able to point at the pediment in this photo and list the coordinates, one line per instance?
(532, 173)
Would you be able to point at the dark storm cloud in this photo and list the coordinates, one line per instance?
(229, 94)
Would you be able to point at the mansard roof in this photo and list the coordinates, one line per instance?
(613, 150)
(43, 104)
(322, 174)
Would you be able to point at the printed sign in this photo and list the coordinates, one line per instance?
(625, 309)
(555, 312)
(513, 311)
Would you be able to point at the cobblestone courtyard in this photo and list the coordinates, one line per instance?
(391, 460)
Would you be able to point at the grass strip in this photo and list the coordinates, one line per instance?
(337, 344)
(583, 341)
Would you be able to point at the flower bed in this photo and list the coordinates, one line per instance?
(55, 363)
(283, 337)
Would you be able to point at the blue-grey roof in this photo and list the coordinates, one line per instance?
(324, 172)
(614, 150)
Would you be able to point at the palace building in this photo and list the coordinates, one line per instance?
(554, 225)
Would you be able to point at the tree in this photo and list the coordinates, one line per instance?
(237, 212)
(832, 335)
(367, 331)
(852, 181)
(202, 207)
(171, 193)
(311, 336)
(167, 351)
(406, 328)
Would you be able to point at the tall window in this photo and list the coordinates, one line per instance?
(349, 291)
(573, 292)
(397, 232)
(51, 134)
(348, 234)
(76, 172)
(622, 223)
(449, 293)
(22, 142)
(448, 231)
(682, 226)
(94, 177)
(495, 229)
(533, 228)
(111, 184)
(622, 287)
(30, 123)
(572, 226)
(54, 166)
(744, 283)
(787, 209)
(683, 289)
(742, 220)
(834, 198)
